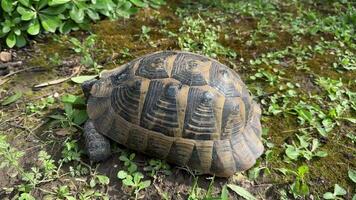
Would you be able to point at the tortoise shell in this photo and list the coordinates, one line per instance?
(186, 108)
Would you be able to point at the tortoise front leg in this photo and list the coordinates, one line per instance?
(97, 146)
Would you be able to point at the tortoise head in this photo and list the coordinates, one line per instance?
(86, 87)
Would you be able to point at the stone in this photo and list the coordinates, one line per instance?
(5, 56)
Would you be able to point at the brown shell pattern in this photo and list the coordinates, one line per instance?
(188, 109)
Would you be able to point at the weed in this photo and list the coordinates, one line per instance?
(74, 112)
(48, 164)
(198, 36)
(86, 50)
(134, 181)
(306, 148)
(157, 166)
(299, 186)
(132, 178)
(41, 105)
(338, 191)
(196, 193)
(144, 33)
(101, 179)
(71, 151)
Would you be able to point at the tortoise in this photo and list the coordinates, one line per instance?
(183, 107)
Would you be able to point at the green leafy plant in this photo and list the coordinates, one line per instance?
(131, 177)
(20, 19)
(145, 33)
(62, 192)
(101, 179)
(10, 158)
(71, 151)
(129, 162)
(157, 166)
(48, 164)
(306, 148)
(198, 36)
(41, 105)
(314, 116)
(86, 50)
(134, 181)
(74, 112)
(299, 187)
(338, 191)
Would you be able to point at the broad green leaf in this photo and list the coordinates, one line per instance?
(132, 168)
(57, 117)
(145, 184)
(352, 175)
(26, 14)
(11, 99)
(352, 120)
(92, 183)
(70, 198)
(20, 41)
(34, 27)
(292, 152)
(25, 2)
(284, 171)
(11, 40)
(5, 29)
(302, 170)
(67, 26)
(224, 193)
(304, 189)
(328, 195)
(137, 177)
(300, 188)
(104, 180)
(54, 10)
(7, 5)
(128, 182)
(339, 191)
(80, 116)
(93, 14)
(50, 23)
(82, 79)
(121, 174)
(57, 2)
(26, 196)
(17, 31)
(123, 158)
(77, 14)
(241, 191)
(139, 3)
(72, 99)
(321, 154)
(315, 144)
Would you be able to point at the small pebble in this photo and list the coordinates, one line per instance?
(5, 56)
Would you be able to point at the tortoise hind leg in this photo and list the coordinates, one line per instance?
(97, 146)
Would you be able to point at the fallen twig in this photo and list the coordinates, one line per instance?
(57, 81)
(4, 78)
